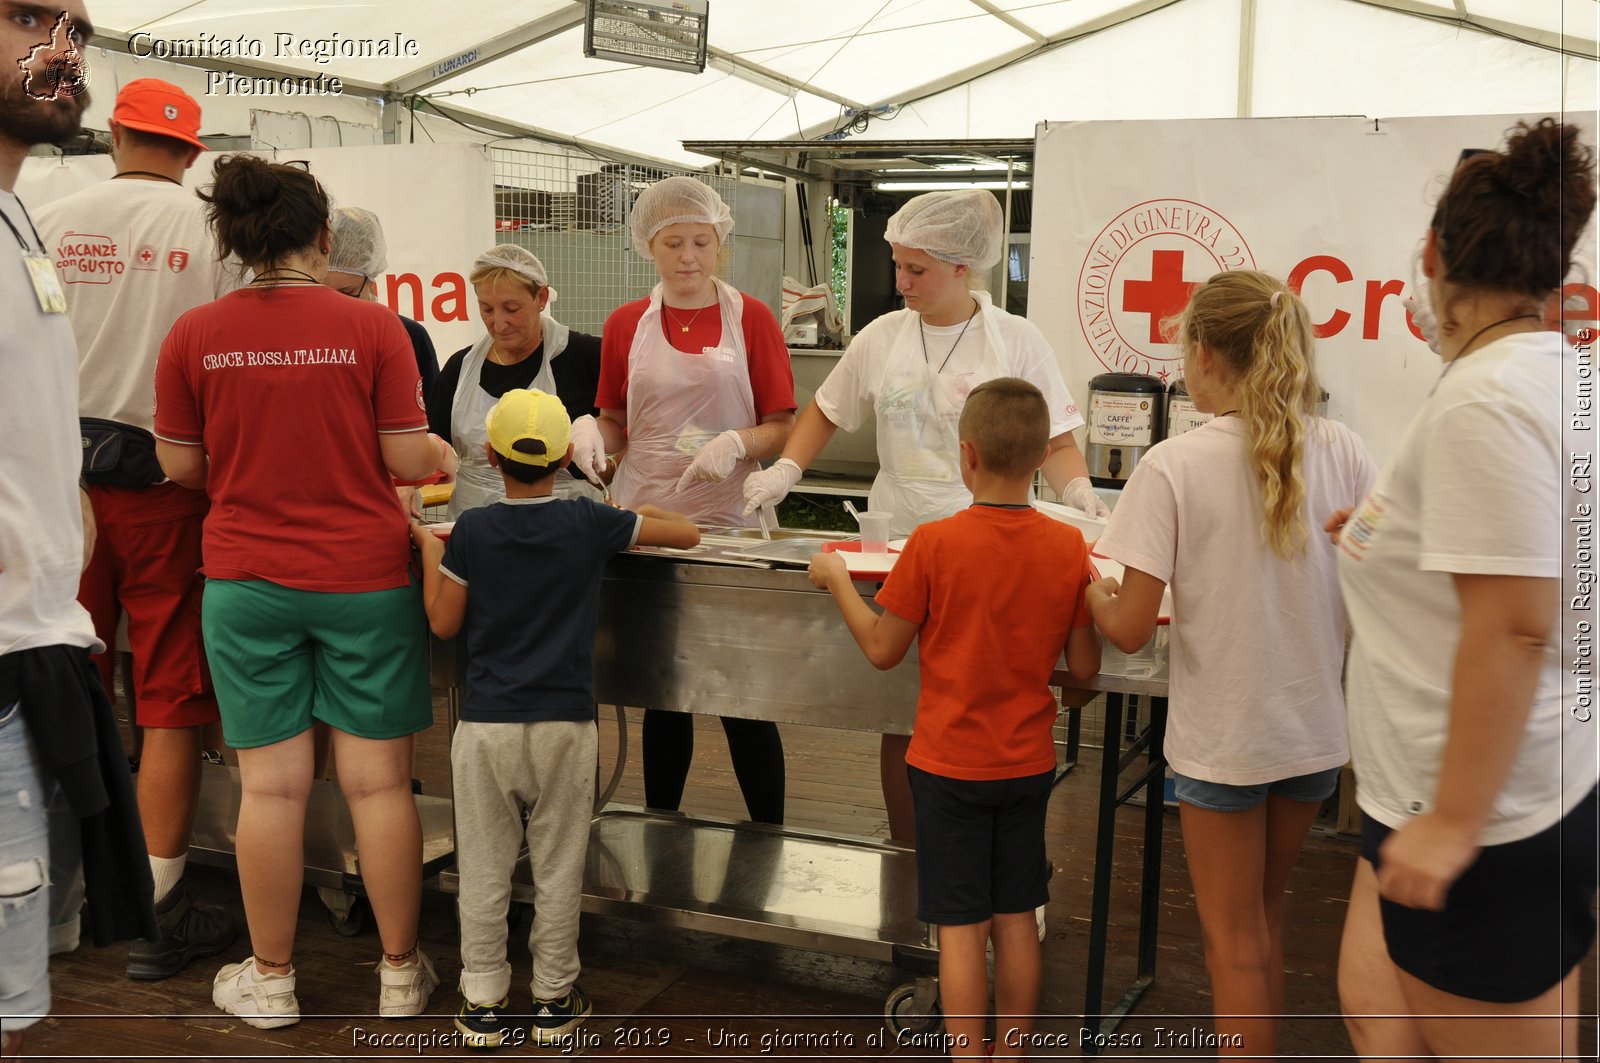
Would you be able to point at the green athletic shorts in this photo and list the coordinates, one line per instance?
(282, 657)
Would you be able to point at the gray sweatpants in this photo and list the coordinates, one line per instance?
(500, 769)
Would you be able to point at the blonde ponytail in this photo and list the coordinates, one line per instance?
(1262, 333)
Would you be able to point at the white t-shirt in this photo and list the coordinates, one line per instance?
(41, 526)
(1479, 484)
(854, 386)
(132, 255)
(1257, 641)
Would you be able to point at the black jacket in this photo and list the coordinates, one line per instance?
(75, 731)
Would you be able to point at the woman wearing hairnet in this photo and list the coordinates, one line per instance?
(357, 254)
(522, 347)
(695, 384)
(914, 369)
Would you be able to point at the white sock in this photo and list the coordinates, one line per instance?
(167, 870)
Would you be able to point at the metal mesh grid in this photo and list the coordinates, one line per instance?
(572, 211)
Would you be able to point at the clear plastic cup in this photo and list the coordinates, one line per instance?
(874, 530)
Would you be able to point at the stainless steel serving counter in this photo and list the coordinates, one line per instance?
(707, 631)
(710, 631)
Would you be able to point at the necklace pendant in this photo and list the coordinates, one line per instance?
(683, 328)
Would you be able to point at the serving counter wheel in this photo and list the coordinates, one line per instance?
(913, 1009)
(347, 911)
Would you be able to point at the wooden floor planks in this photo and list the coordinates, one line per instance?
(662, 993)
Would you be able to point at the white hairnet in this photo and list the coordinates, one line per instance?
(962, 227)
(517, 259)
(358, 246)
(676, 200)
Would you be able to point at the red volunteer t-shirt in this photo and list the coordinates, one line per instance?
(771, 379)
(287, 390)
(996, 592)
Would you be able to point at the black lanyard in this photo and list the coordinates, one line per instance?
(26, 250)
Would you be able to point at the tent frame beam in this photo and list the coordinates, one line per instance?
(1569, 44)
(988, 66)
(772, 80)
(518, 131)
(493, 48)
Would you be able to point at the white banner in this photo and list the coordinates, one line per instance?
(1127, 216)
(436, 202)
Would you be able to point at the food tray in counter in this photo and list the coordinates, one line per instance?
(862, 565)
(706, 553)
(795, 551)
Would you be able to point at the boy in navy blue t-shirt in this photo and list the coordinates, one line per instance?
(523, 577)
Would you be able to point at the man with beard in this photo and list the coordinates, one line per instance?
(51, 702)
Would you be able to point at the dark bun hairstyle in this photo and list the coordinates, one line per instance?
(1510, 219)
(261, 211)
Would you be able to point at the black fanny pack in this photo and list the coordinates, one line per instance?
(118, 455)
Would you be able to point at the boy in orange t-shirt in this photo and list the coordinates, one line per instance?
(992, 594)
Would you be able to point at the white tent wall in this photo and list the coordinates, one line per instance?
(646, 110)
(1176, 62)
(1391, 64)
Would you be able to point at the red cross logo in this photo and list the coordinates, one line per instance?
(1133, 279)
(1164, 294)
(146, 255)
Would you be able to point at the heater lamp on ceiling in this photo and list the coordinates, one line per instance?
(667, 33)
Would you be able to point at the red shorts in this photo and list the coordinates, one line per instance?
(147, 563)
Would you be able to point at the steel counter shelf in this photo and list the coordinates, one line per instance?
(708, 632)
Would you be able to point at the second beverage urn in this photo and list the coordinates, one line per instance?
(1181, 413)
(1125, 421)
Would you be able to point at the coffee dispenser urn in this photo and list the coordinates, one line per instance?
(1125, 421)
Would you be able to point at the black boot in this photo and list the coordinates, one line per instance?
(188, 932)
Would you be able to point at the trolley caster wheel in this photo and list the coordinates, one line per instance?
(913, 1008)
(347, 913)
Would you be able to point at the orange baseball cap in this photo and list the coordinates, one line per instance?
(151, 105)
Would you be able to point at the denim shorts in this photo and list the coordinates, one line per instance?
(1222, 797)
(24, 863)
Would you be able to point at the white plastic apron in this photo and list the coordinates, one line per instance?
(919, 471)
(679, 402)
(477, 482)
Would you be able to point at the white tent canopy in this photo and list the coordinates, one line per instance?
(899, 69)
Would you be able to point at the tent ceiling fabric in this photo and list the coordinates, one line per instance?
(939, 69)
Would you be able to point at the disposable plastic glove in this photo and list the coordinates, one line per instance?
(714, 461)
(1080, 495)
(588, 448)
(770, 486)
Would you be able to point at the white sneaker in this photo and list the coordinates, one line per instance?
(265, 1001)
(404, 990)
(1038, 915)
